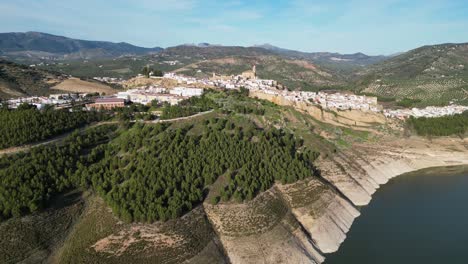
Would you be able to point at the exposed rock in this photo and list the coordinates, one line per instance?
(261, 231)
(325, 215)
(357, 173)
(358, 119)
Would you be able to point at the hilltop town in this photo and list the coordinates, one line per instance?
(190, 86)
(331, 100)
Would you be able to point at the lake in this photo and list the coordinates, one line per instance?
(416, 218)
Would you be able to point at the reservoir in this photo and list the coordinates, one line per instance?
(421, 217)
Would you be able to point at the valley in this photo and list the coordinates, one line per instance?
(210, 153)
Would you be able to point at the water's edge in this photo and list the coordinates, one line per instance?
(359, 173)
(418, 210)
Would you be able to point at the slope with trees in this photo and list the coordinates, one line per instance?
(27, 124)
(434, 75)
(157, 173)
(440, 126)
(30, 180)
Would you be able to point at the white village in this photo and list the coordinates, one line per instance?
(190, 86)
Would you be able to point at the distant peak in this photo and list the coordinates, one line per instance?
(267, 46)
(201, 45)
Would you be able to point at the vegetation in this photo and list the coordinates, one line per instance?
(133, 111)
(149, 71)
(440, 126)
(30, 180)
(27, 124)
(20, 79)
(434, 74)
(157, 173)
(246, 109)
(188, 107)
(139, 243)
(201, 62)
(408, 102)
(380, 98)
(33, 238)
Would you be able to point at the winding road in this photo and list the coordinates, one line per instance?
(17, 149)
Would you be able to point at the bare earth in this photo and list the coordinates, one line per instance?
(79, 86)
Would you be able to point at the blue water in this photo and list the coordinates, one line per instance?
(416, 218)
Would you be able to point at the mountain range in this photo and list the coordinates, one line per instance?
(358, 59)
(37, 45)
(434, 74)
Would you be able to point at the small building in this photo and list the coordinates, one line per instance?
(106, 103)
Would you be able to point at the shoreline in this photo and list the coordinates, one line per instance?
(359, 173)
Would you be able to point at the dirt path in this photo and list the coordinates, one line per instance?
(14, 150)
(177, 119)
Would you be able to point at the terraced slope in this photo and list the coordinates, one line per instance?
(434, 74)
(203, 62)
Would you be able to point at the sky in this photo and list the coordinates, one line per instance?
(379, 27)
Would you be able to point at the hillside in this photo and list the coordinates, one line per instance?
(346, 63)
(224, 187)
(434, 74)
(38, 46)
(204, 61)
(295, 74)
(19, 80)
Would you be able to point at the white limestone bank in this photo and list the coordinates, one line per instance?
(358, 173)
(300, 222)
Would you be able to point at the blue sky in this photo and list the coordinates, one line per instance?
(372, 27)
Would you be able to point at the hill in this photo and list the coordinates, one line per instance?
(294, 73)
(434, 74)
(20, 80)
(75, 85)
(204, 61)
(346, 63)
(37, 45)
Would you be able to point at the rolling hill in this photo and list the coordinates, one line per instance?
(295, 69)
(434, 75)
(17, 80)
(41, 46)
(345, 63)
(20, 80)
(429, 75)
(203, 61)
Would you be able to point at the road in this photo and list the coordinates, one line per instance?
(61, 137)
(177, 119)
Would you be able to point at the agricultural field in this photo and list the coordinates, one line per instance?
(75, 85)
(435, 75)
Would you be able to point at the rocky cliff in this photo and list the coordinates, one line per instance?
(357, 119)
(298, 223)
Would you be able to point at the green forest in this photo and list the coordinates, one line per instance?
(440, 126)
(157, 173)
(26, 124)
(188, 107)
(30, 180)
